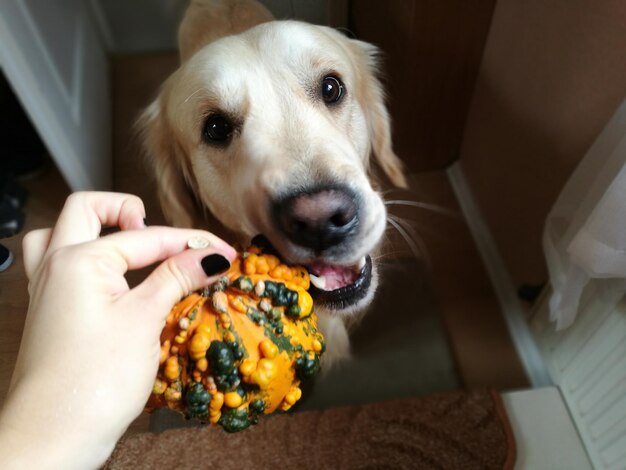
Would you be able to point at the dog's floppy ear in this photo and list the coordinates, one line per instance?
(372, 100)
(169, 163)
(208, 20)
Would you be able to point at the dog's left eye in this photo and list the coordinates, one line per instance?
(217, 129)
(332, 90)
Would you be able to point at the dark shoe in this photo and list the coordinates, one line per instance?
(6, 258)
(12, 190)
(11, 219)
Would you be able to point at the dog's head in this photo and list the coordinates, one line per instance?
(272, 131)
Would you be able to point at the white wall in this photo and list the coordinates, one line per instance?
(56, 65)
(151, 25)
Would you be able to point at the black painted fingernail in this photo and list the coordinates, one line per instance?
(214, 264)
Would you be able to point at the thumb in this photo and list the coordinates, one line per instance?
(178, 276)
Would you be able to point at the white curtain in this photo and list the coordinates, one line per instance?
(585, 233)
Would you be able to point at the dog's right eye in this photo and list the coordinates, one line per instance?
(217, 129)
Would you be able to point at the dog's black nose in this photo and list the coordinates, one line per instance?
(318, 219)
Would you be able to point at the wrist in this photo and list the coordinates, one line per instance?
(22, 449)
(35, 435)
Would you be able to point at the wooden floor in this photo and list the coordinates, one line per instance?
(47, 194)
(481, 345)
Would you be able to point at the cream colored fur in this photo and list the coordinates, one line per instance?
(265, 75)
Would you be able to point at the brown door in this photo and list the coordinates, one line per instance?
(432, 51)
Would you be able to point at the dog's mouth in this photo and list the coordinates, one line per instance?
(340, 287)
(335, 287)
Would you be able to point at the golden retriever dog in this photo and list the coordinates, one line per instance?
(272, 127)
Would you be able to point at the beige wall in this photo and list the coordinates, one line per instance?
(553, 72)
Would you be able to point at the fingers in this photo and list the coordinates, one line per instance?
(34, 246)
(176, 277)
(183, 271)
(136, 249)
(84, 214)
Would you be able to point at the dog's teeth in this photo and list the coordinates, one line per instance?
(359, 266)
(318, 281)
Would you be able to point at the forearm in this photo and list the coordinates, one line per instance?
(31, 436)
(20, 451)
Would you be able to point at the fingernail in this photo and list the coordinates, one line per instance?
(196, 243)
(214, 264)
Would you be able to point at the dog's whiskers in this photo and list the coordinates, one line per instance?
(411, 237)
(425, 205)
(387, 254)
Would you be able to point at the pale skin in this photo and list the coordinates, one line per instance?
(90, 348)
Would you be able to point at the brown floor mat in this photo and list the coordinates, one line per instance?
(456, 430)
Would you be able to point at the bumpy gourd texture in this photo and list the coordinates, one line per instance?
(240, 348)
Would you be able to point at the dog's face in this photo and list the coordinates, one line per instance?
(272, 130)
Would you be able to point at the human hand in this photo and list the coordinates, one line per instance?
(90, 348)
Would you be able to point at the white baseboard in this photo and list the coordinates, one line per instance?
(505, 291)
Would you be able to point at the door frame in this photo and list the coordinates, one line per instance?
(24, 82)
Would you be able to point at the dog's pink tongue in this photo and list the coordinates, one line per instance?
(336, 276)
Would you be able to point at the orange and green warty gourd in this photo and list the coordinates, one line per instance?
(241, 347)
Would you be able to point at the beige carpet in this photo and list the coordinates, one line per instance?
(448, 431)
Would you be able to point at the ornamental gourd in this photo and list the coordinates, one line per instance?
(240, 348)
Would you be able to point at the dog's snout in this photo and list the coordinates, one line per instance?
(320, 219)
